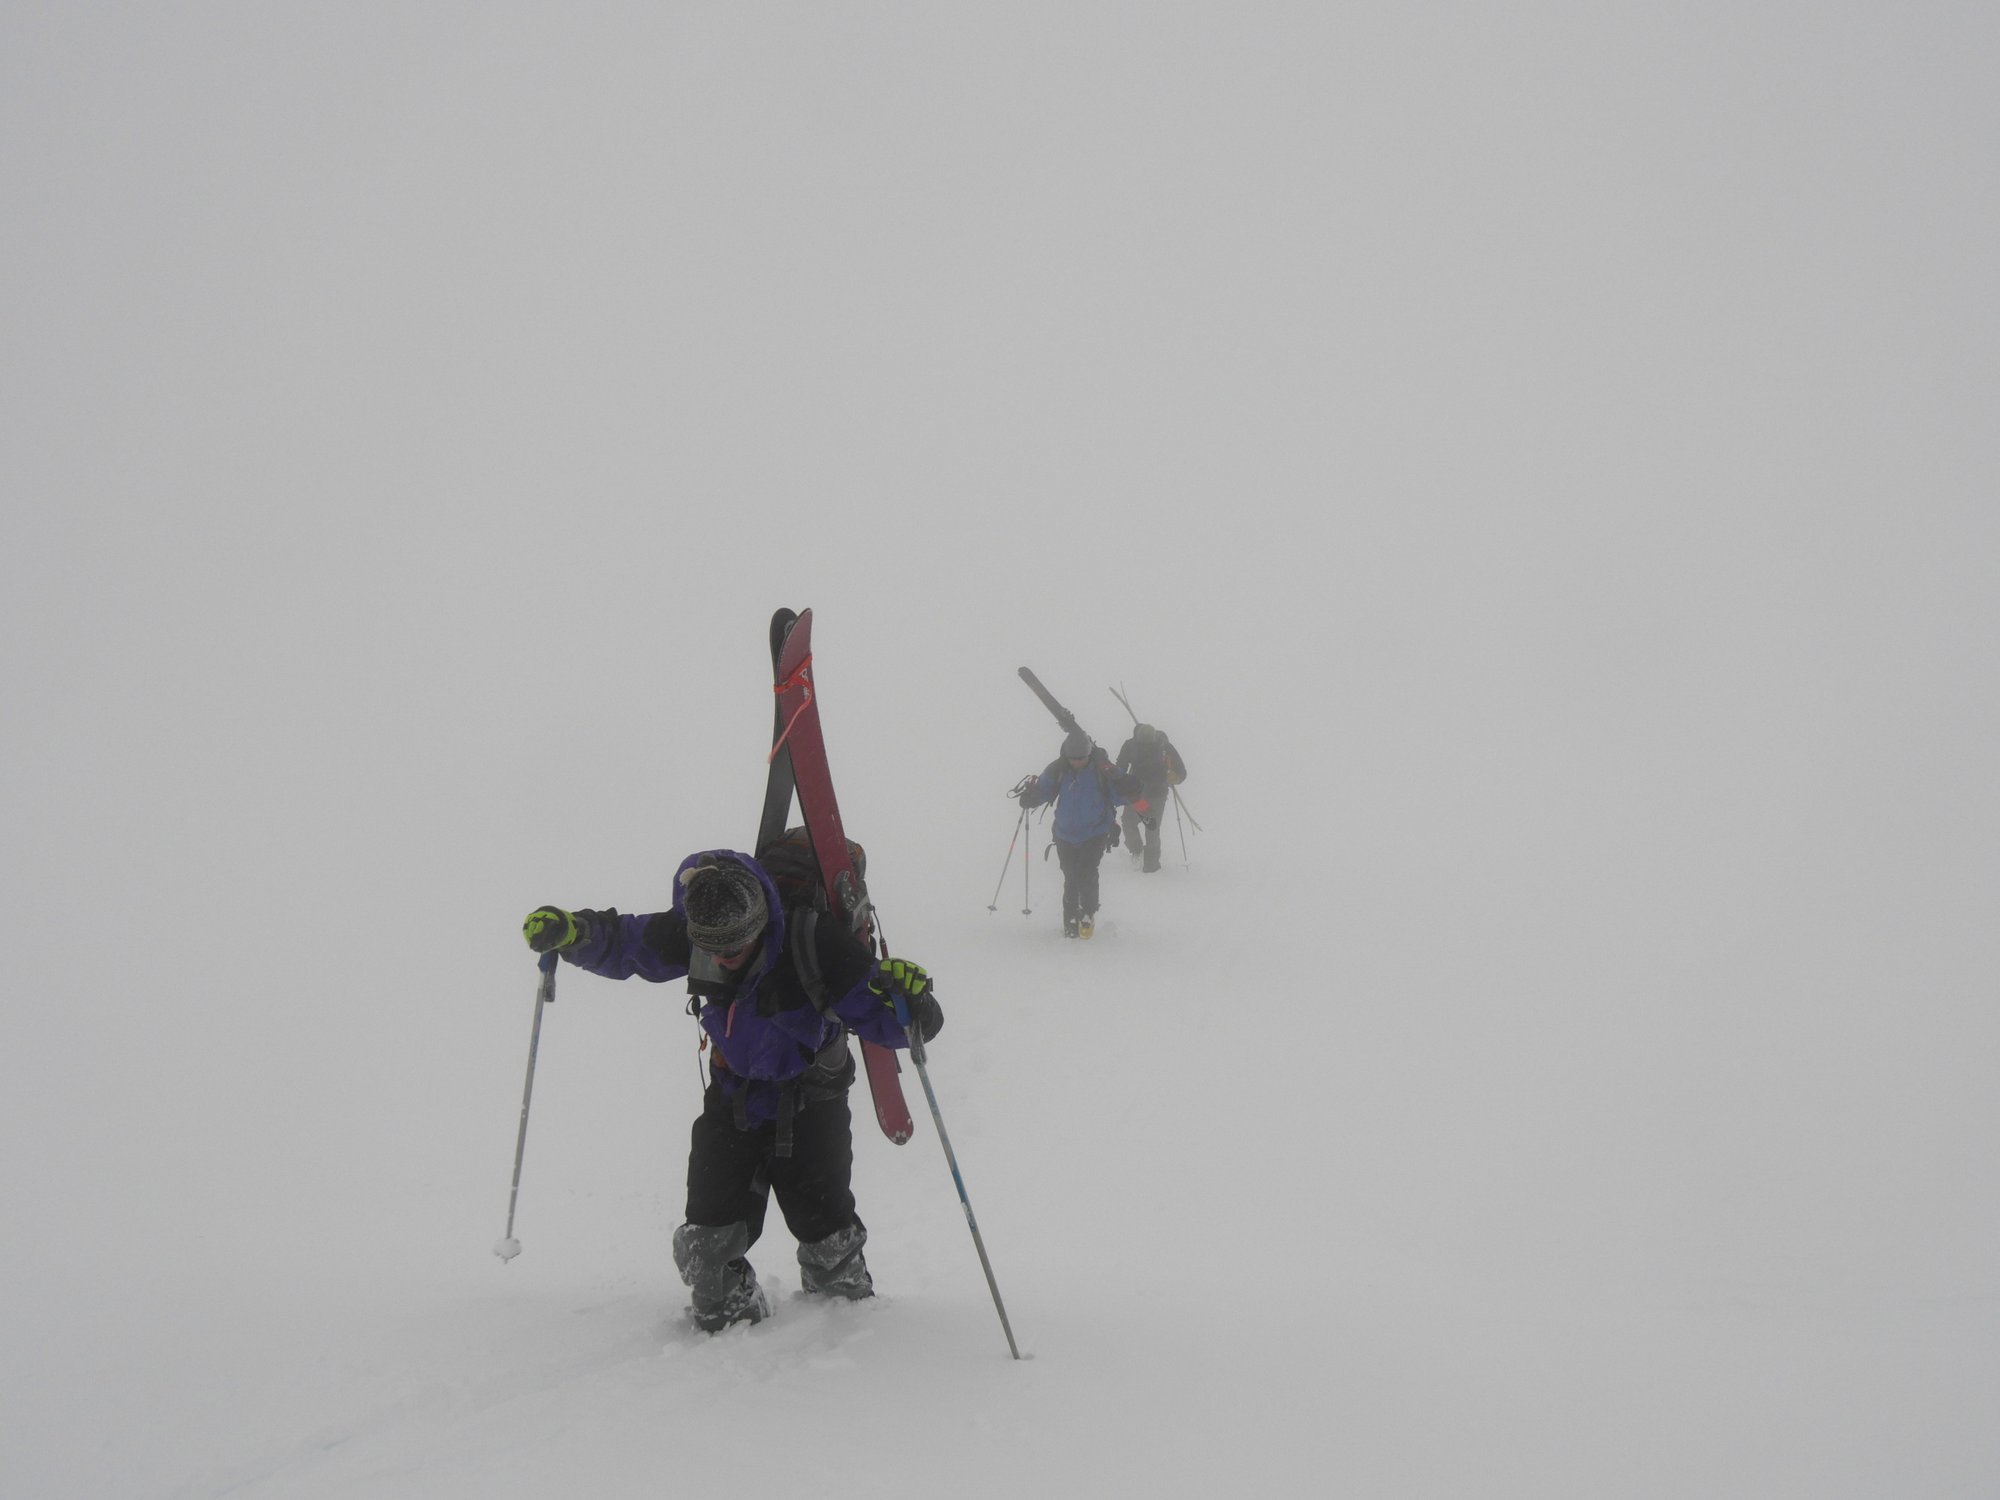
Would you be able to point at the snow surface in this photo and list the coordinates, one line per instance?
(1538, 464)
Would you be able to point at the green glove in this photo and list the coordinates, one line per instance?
(550, 929)
(900, 976)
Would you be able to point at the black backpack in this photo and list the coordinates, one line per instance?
(788, 860)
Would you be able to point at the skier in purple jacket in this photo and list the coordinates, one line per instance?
(776, 991)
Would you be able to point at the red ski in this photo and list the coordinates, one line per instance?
(798, 738)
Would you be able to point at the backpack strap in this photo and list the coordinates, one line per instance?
(802, 939)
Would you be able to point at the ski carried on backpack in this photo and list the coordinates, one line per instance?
(779, 784)
(798, 763)
(1063, 716)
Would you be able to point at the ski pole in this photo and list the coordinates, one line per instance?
(951, 1158)
(545, 995)
(994, 904)
(1027, 869)
(1181, 803)
(1178, 828)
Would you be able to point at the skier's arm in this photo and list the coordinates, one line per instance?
(1044, 789)
(652, 947)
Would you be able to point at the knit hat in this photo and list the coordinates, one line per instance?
(1074, 744)
(724, 906)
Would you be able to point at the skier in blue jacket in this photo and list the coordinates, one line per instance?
(777, 992)
(1087, 791)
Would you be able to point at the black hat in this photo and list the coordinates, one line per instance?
(724, 906)
(1074, 744)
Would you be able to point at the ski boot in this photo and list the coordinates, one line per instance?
(724, 1287)
(1086, 926)
(746, 1304)
(835, 1266)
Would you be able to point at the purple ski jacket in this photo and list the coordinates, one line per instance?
(764, 1026)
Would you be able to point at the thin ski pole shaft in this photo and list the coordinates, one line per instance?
(994, 904)
(1027, 869)
(951, 1159)
(545, 994)
(1181, 803)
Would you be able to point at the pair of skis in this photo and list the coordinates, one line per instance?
(798, 764)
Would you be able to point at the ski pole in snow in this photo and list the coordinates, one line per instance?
(951, 1159)
(545, 995)
(1180, 805)
(1027, 869)
(994, 904)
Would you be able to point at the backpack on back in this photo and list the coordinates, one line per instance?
(788, 860)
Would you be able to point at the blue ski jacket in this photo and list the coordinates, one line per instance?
(764, 1024)
(1087, 800)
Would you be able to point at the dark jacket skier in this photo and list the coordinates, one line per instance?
(777, 992)
(1155, 766)
(1087, 791)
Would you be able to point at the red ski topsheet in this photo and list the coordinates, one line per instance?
(798, 716)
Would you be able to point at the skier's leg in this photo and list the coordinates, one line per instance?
(1072, 892)
(1089, 855)
(834, 1266)
(815, 1194)
(727, 1194)
(727, 1179)
(722, 1286)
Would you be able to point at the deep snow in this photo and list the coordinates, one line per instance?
(1539, 467)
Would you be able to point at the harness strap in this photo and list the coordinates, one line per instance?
(828, 1076)
(788, 1104)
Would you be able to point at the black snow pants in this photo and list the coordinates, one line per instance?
(732, 1173)
(1079, 867)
